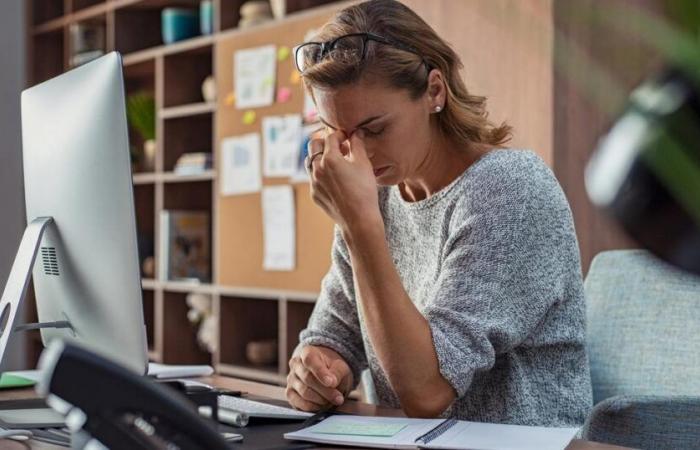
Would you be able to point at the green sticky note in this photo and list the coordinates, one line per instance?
(13, 381)
(361, 429)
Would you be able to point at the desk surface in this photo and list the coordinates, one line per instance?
(263, 390)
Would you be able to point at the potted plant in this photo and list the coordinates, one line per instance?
(141, 114)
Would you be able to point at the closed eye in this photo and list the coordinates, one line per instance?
(373, 133)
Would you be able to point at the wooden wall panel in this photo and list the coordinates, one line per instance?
(506, 48)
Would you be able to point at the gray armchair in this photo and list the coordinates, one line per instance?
(644, 347)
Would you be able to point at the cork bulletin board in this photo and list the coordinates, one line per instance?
(238, 224)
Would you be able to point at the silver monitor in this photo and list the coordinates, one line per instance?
(78, 192)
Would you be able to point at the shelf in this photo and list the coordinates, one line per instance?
(162, 50)
(171, 177)
(188, 286)
(149, 283)
(269, 375)
(49, 26)
(192, 109)
(144, 178)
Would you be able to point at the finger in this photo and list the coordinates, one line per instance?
(307, 392)
(329, 394)
(332, 145)
(357, 145)
(314, 361)
(315, 148)
(297, 402)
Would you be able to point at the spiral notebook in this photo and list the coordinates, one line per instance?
(405, 433)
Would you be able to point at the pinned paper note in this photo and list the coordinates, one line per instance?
(278, 228)
(283, 53)
(307, 132)
(240, 171)
(295, 77)
(281, 140)
(230, 99)
(254, 76)
(249, 117)
(284, 94)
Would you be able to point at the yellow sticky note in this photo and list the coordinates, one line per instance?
(295, 77)
(249, 117)
(283, 53)
(230, 99)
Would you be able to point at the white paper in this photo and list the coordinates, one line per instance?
(300, 174)
(240, 166)
(254, 76)
(281, 140)
(279, 237)
(176, 371)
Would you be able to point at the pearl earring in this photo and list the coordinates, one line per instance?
(438, 109)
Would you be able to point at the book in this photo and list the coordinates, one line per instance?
(193, 163)
(407, 433)
(185, 243)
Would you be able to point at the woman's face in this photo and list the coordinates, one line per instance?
(397, 130)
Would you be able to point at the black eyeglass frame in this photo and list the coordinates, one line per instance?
(328, 46)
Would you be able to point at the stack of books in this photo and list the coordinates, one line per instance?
(193, 163)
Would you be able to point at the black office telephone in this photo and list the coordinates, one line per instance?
(118, 408)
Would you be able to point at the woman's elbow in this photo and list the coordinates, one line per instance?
(428, 404)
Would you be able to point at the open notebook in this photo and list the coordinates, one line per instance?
(404, 433)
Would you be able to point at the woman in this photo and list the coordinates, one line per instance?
(455, 273)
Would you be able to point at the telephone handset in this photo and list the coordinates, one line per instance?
(118, 408)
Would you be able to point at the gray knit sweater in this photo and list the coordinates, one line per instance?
(492, 262)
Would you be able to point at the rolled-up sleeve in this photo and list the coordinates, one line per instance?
(334, 322)
(500, 275)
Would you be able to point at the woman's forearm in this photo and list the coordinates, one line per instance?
(399, 333)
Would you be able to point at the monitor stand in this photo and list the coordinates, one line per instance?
(18, 281)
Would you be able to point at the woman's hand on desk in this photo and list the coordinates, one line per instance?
(318, 378)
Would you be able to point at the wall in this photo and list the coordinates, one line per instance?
(12, 76)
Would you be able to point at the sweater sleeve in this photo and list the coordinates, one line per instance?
(503, 269)
(334, 322)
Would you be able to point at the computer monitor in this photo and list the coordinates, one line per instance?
(78, 191)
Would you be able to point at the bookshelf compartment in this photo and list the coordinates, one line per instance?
(149, 317)
(298, 313)
(48, 56)
(180, 344)
(195, 195)
(244, 320)
(188, 134)
(229, 13)
(45, 10)
(144, 203)
(137, 28)
(184, 74)
(87, 40)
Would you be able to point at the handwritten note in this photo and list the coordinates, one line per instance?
(240, 169)
(278, 228)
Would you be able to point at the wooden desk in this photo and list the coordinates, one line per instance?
(262, 390)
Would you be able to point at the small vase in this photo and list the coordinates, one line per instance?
(148, 159)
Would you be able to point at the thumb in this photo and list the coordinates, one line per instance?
(340, 370)
(357, 145)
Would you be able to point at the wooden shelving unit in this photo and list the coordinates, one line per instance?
(185, 123)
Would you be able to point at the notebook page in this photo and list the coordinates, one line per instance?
(376, 433)
(489, 436)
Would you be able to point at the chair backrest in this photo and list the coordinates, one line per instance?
(643, 326)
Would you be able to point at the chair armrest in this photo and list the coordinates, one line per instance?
(646, 421)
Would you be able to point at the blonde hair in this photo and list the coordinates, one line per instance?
(463, 119)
